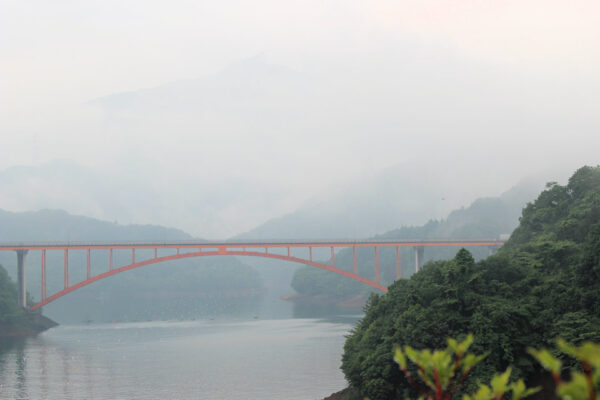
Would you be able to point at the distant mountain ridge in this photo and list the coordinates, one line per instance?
(392, 198)
(362, 207)
(238, 84)
(35, 226)
(358, 209)
(132, 197)
(486, 217)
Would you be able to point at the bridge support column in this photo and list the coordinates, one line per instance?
(88, 264)
(419, 256)
(376, 264)
(66, 268)
(44, 276)
(398, 264)
(22, 286)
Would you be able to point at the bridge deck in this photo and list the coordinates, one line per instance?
(244, 243)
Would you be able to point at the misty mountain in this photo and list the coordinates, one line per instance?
(355, 211)
(484, 218)
(390, 199)
(234, 88)
(58, 225)
(258, 106)
(128, 196)
(233, 179)
(361, 207)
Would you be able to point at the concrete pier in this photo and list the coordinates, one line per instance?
(22, 286)
(419, 256)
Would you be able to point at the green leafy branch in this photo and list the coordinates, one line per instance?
(442, 372)
(583, 384)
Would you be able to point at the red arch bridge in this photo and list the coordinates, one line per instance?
(281, 250)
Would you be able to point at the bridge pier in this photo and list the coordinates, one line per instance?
(398, 264)
(492, 250)
(419, 256)
(22, 287)
(376, 264)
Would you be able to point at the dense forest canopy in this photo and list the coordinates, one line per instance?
(544, 283)
(8, 295)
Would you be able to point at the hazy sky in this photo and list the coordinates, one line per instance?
(485, 92)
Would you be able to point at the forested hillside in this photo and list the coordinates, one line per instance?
(8, 295)
(485, 218)
(182, 288)
(544, 283)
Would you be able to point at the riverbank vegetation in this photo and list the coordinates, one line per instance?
(14, 321)
(9, 309)
(543, 283)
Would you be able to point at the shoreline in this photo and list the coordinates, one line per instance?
(344, 394)
(29, 324)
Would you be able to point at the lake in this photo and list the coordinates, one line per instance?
(294, 358)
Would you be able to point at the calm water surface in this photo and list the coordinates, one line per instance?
(255, 359)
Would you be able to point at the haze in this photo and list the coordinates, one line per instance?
(215, 117)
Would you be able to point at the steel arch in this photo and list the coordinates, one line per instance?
(220, 252)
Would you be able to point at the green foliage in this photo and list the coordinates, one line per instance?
(442, 372)
(582, 385)
(500, 386)
(542, 284)
(8, 298)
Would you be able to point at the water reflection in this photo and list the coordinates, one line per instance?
(13, 366)
(66, 371)
(44, 371)
(27, 369)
